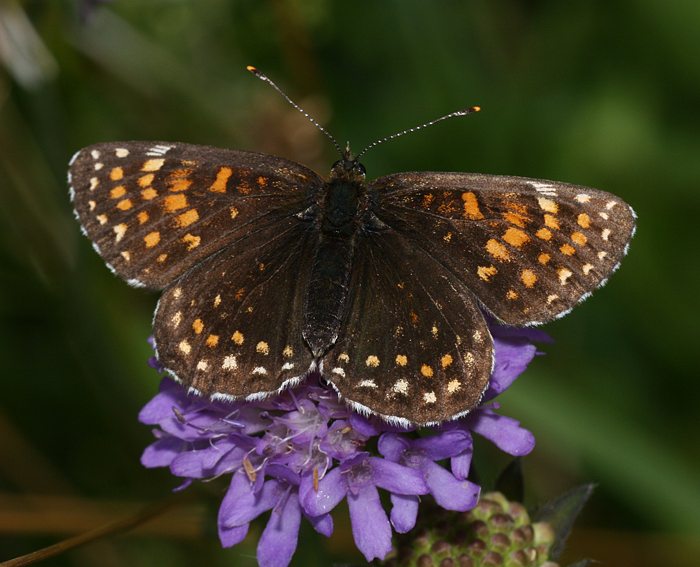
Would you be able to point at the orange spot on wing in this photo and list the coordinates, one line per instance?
(222, 176)
(179, 180)
(544, 234)
(583, 220)
(579, 238)
(151, 239)
(191, 240)
(149, 194)
(175, 202)
(238, 338)
(528, 277)
(471, 206)
(515, 237)
(485, 272)
(187, 218)
(145, 180)
(197, 326)
(551, 221)
(212, 341)
(118, 191)
(124, 204)
(512, 295)
(567, 250)
(544, 258)
(446, 360)
(262, 181)
(143, 217)
(516, 214)
(426, 371)
(162, 258)
(116, 174)
(497, 250)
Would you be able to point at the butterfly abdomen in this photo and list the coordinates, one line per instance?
(327, 297)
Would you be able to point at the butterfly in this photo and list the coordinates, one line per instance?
(270, 272)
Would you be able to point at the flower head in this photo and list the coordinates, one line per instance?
(300, 453)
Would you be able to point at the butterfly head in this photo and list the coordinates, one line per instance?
(348, 168)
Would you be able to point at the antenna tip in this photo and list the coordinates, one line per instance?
(475, 109)
(252, 69)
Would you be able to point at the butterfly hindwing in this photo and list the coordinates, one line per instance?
(415, 347)
(231, 326)
(155, 209)
(528, 249)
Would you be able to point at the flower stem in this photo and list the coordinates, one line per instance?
(113, 528)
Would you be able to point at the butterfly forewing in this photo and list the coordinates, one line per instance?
(415, 347)
(231, 326)
(155, 209)
(528, 249)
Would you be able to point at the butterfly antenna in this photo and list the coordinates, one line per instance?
(269, 81)
(463, 112)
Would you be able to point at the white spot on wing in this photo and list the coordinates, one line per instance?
(367, 384)
(229, 363)
(544, 188)
(159, 150)
(259, 370)
(339, 371)
(121, 152)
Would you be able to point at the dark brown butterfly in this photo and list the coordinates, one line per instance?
(271, 272)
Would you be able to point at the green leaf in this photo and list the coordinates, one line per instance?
(561, 513)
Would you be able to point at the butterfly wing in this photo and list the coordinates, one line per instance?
(529, 249)
(155, 209)
(231, 327)
(415, 347)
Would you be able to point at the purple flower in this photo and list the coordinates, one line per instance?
(300, 453)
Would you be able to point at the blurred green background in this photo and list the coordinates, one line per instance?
(604, 94)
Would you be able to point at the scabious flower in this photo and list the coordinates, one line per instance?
(300, 453)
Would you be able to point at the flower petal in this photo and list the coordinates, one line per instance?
(278, 541)
(370, 526)
(160, 407)
(232, 536)
(461, 464)
(241, 505)
(331, 490)
(450, 493)
(512, 357)
(199, 464)
(162, 452)
(392, 446)
(504, 432)
(444, 445)
(396, 478)
(322, 524)
(404, 511)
